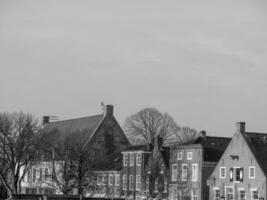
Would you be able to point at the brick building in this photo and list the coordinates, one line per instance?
(241, 172)
(103, 137)
(191, 164)
(145, 172)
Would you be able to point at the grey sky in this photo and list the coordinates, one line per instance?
(203, 62)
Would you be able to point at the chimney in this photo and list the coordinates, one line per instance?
(108, 111)
(203, 134)
(240, 127)
(45, 120)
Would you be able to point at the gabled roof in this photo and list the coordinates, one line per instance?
(213, 147)
(89, 124)
(258, 144)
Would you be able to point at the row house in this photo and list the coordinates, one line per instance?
(241, 172)
(103, 137)
(191, 164)
(145, 171)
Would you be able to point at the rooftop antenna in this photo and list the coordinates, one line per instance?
(103, 106)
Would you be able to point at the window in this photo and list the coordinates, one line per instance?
(194, 172)
(222, 172)
(110, 179)
(241, 194)
(238, 174)
(174, 172)
(216, 194)
(184, 172)
(189, 156)
(138, 182)
(229, 193)
(180, 155)
(131, 182)
(29, 176)
(98, 181)
(124, 182)
(147, 183)
(131, 159)
(156, 185)
(46, 173)
(34, 175)
(251, 172)
(41, 174)
(194, 195)
(104, 179)
(254, 194)
(165, 185)
(125, 159)
(138, 159)
(117, 180)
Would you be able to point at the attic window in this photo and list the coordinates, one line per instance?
(234, 157)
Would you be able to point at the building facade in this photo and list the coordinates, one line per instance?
(103, 137)
(191, 164)
(145, 172)
(241, 172)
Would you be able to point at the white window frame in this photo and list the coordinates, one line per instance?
(165, 190)
(138, 159)
(131, 182)
(110, 179)
(138, 183)
(46, 173)
(131, 159)
(125, 159)
(117, 180)
(194, 196)
(233, 193)
(99, 178)
(104, 179)
(174, 172)
(220, 172)
(180, 155)
(215, 189)
(189, 156)
(184, 172)
(249, 174)
(156, 185)
(251, 193)
(238, 193)
(194, 172)
(124, 182)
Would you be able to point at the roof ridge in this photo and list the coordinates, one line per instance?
(75, 119)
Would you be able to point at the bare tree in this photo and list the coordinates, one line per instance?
(18, 144)
(145, 125)
(71, 162)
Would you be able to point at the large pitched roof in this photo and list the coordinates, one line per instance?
(258, 145)
(213, 147)
(89, 124)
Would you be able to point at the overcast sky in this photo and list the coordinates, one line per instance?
(204, 62)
